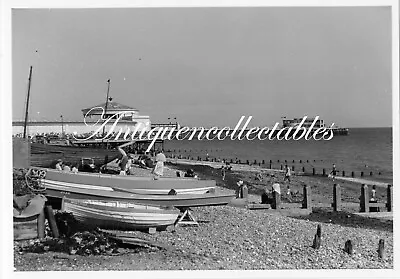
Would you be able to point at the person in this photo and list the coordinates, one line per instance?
(287, 173)
(59, 165)
(239, 188)
(158, 169)
(124, 163)
(66, 168)
(333, 172)
(74, 169)
(276, 187)
(288, 193)
(189, 173)
(373, 194)
(223, 172)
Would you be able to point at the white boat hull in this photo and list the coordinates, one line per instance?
(120, 215)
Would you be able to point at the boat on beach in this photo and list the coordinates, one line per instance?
(130, 182)
(60, 192)
(198, 191)
(120, 215)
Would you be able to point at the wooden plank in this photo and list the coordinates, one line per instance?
(256, 206)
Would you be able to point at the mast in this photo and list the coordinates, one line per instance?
(27, 101)
(105, 110)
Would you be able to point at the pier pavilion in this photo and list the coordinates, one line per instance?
(130, 119)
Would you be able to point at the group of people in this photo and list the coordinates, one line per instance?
(126, 162)
(67, 167)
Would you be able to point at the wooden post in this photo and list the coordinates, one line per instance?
(389, 203)
(52, 221)
(313, 171)
(348, 247)
(323, 172)
(270, 165)
(337, 197)
(40, 225)
(276, 200)
(352, 174)
(303, 169)
(381, 249)
(244, 192)
(364, 199)
(343, 174)
(317, 238)
(307, 198)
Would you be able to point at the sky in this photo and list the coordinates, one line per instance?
(207, 66)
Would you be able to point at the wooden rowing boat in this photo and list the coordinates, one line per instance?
(120, 215)
(194, 191)
(129, 182)
(98, 193)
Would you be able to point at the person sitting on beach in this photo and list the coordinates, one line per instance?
(190, 173)
(266, 197)
(66, 168)
(74, 168)
(287, 174)
(59, 165)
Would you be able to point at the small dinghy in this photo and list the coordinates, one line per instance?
(120, 215)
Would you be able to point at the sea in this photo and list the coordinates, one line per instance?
(367, 150)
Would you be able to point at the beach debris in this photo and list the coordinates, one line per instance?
(317, 238)
(381, 249)
(348, 247)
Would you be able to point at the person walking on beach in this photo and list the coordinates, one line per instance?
(287, 174)
(333, 172)
(159, 166)
(223, 171)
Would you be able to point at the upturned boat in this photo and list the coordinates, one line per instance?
(119, 215)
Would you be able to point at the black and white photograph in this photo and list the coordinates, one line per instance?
(227, 137)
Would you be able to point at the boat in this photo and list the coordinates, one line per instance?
(130, 182)
(77, 191)
(119, 215)
(197, 191)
